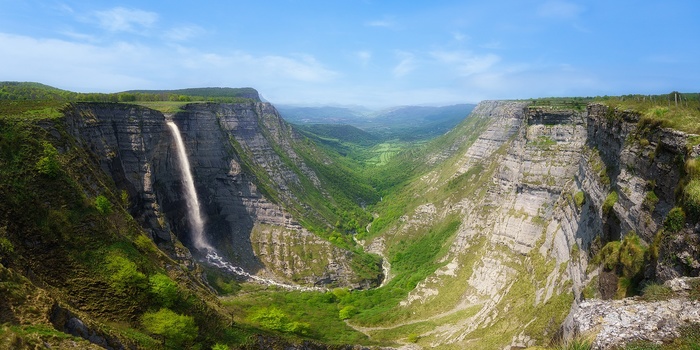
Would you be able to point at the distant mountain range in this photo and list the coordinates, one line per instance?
(408, 123)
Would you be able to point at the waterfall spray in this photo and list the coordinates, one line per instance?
(194, 216)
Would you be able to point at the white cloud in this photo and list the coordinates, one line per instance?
(122, 66)
(383, 23)
(79, 36)
(459, 36)
(557, 9)
(64, 8)
(406, 65)
(184, 33)
(84, 67)
(465, 62)
(120, 19)
(492, 45)
(364, 57)
(303, 68)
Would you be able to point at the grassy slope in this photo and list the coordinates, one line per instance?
(413, 258)
(676, 111)
(51, 227)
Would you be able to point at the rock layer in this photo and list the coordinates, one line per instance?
(529, 192)
(136, 149)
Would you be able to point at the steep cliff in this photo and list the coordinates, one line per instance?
(539, 193)
(246, 172)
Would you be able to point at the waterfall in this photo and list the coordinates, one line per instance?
(194, 215)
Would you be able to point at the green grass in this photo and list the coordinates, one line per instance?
(662, 110)
(579, 199)
(543, 142)
(319, 310)
(410, 332)
(412, 260)
(609, 202)
(575, 344)
(655, 292)
(31, 110)
(383, 152)
(166, 107)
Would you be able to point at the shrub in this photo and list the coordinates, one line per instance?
(413, 338)
(163, 289)
(6, 247)
(176, 329)
(675, 220)
(650, 201)
(340, 293)
(103, 205)
(655, 292)
(301, 328)
(631, 255)
(125, 198)
(609, 256)
(576, 344)
(144, 244)
(692, 168)
(579, 199)
(270, 318)
(218, 346)
(347, 312)
(274, 319)
(691, 199)
(48, 164)
(124, 275)
(610, 201)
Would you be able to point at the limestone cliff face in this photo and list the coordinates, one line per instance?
(135, 147)
(529, 192)
(228, 143)
(126, 140)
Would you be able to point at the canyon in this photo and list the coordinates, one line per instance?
(514, 207)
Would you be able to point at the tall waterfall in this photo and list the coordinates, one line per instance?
(194, 215)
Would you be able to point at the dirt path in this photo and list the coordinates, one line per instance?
(462, 306)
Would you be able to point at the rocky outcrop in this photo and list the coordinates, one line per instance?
(68, 322)
(615, 323)
(504, 121)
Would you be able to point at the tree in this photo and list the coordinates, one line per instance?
(48, 164)
(125, 278)
(163, 289)
(347, 312)
(103, 205)
(176, 329)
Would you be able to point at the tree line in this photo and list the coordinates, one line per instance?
(21, 91)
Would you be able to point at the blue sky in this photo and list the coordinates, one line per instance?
(374, 53)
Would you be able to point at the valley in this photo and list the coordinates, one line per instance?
(496, 231)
